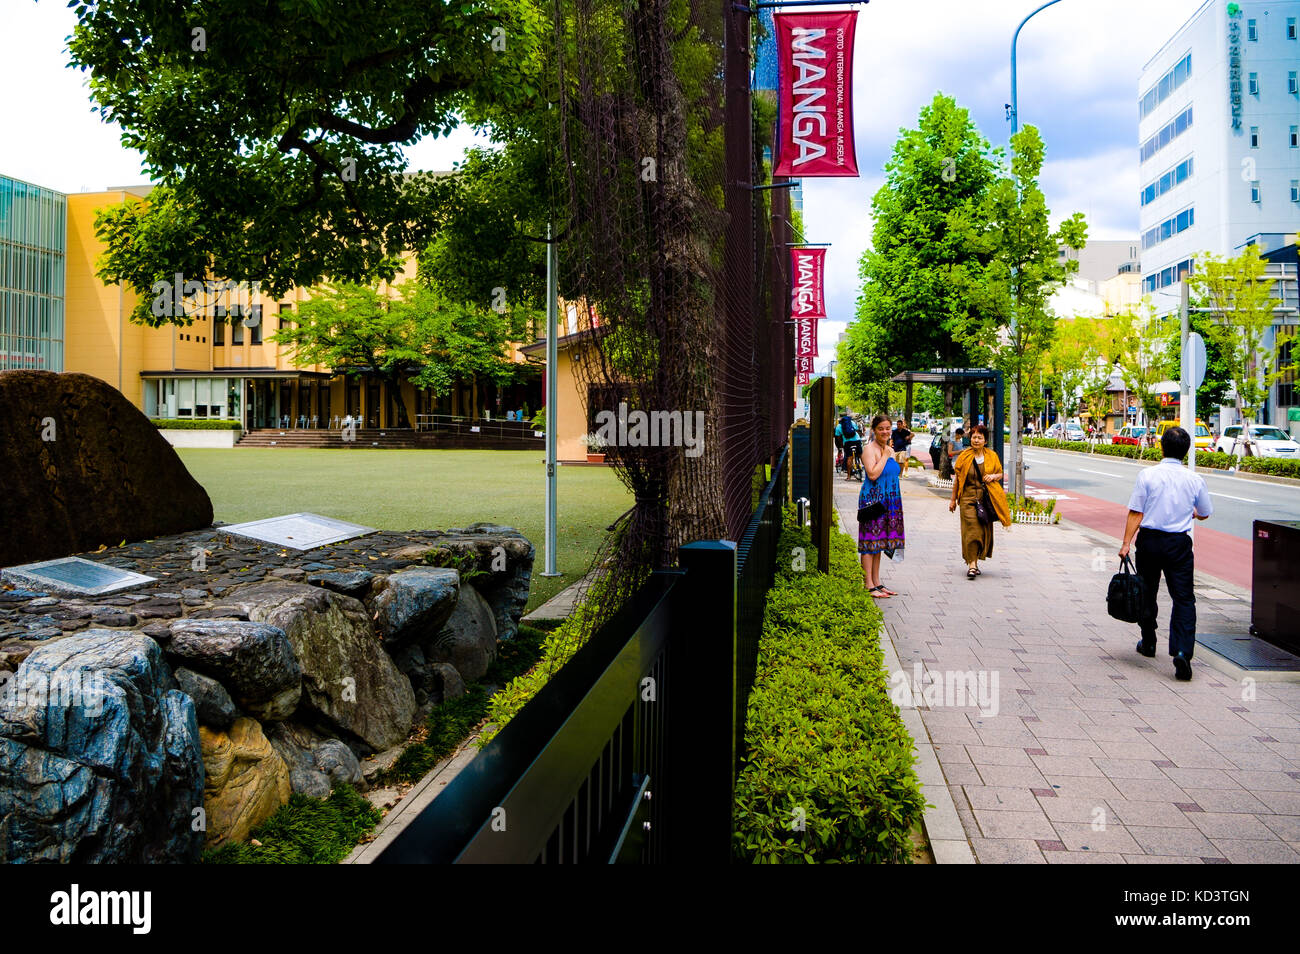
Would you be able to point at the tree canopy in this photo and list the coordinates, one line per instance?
(274, 129)
(420, 335)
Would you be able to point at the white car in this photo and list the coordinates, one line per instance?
(1067, 432)
(1268, 442)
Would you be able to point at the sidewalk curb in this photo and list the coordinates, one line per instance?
(943, 828)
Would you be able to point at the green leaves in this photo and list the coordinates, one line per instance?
(825, 749)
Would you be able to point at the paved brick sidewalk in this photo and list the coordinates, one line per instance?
(1095, 754)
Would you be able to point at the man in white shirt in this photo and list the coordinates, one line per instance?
(1164, 501)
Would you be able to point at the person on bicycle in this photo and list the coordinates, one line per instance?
(852, 446)
(839, 446)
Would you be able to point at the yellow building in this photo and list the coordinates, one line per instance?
(223, 363)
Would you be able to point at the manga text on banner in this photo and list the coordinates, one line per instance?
(808, 294)
(815, 88)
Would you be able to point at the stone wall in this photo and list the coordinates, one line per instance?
(263, 671)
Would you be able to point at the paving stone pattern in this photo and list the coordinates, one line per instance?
(1095, 754)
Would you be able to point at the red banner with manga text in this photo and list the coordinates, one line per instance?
(808, 283)
(815, 93)
(803, 370)
(805, 338)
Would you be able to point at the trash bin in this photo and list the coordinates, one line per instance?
(1275, 598)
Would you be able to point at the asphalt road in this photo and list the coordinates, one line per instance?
(1238, 502)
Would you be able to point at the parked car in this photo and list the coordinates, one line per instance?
(1203, 439)
(1130, 434)
(1066, 432)
(1267, 442)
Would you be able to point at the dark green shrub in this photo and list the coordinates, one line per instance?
(306, 831)
(194, 424)
(823, 736)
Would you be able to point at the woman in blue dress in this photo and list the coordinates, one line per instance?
(884, 534)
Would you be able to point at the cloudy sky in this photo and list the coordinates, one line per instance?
(1079, 63)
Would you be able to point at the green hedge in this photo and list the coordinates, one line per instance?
(188, 424)
(822, 734)
(1255, 465)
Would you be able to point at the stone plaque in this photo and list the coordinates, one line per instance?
(299, 531)
(73, 575)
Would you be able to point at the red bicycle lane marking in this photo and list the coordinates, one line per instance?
(1217, 553)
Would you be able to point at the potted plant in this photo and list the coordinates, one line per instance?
(595, 445)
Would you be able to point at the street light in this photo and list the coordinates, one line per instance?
(1013, 112)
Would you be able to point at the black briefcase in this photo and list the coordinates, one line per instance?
(1127, 593)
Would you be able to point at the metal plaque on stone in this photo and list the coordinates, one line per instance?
(74, 576)
(299, 531)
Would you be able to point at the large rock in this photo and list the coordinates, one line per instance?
(99, 756)
(498, 562)
(83, 468)
(213, 704)
(246, 780)
(349, 683)
(253, 660)
(316, 762)
(469, 640)
(414, 604)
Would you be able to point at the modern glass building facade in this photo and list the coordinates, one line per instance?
(33, 251)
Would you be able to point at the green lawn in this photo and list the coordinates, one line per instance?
(418, 490)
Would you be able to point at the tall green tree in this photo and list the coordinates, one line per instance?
(1078, 363)
(1238, 296)
(421, 336)
(933, 198)
(1013, 268)
(273, 129)
(1141, 342)
(1216, 387)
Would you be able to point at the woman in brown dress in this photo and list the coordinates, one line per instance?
(977, 470)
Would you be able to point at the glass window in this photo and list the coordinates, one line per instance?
(1295, 190)
(236, 325)
(255, 332)
(1254, 137)
(1290, 28)
(1291, 85)
(219, 326)
(1295, 137)
(1254, 191)
(1252, 31)
(1254, 84)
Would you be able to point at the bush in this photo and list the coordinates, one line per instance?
(1277, 467)
(822, 734)
(306, 831)
(189, 424)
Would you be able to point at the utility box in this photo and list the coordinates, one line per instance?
(1275, 583)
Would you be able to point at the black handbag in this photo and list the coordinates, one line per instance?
(983, 506)
(1127, 593)
(872, 511)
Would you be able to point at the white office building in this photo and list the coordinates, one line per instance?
(1219, 148)
(1219, 135)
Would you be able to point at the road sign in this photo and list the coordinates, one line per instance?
(1195, 353)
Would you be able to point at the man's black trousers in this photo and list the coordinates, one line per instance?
(1171, 554)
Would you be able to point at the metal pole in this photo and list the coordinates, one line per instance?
(1017, 469)
(552, 399)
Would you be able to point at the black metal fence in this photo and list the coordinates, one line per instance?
(629, 752)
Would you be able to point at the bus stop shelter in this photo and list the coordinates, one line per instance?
(979, 389)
